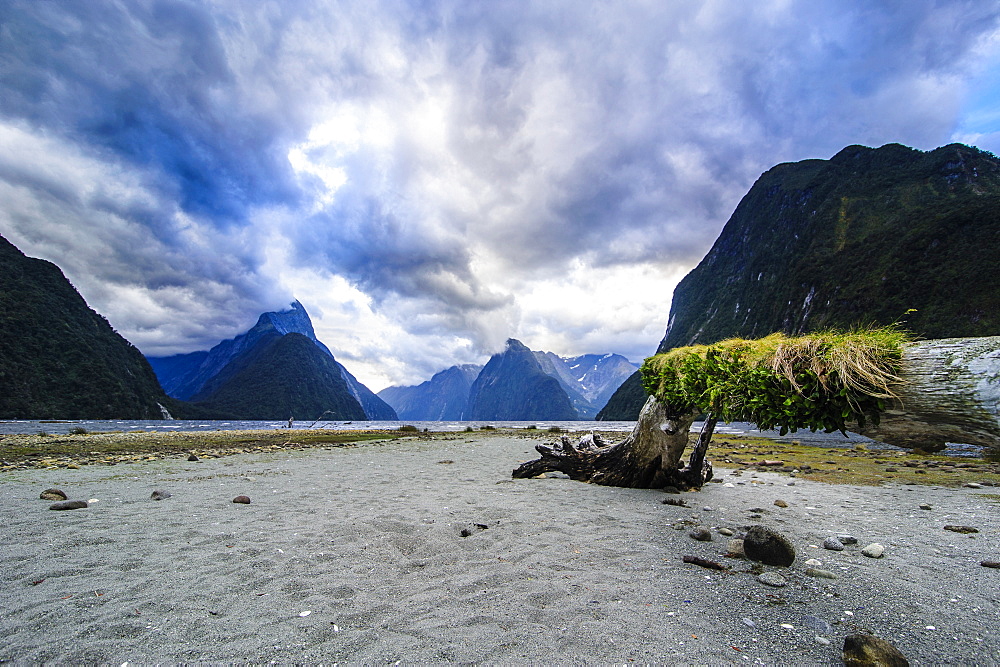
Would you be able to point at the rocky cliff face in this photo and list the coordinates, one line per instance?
(513, 386)
(862, 238)
(589, 380)
(445, 397)
(197, 375)
(281, 376)
(58, 358)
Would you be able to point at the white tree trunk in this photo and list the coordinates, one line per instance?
(950, 393)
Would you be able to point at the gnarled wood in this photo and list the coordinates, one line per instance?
(648, 458)
(950, 392)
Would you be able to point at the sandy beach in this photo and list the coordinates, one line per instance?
(426, 551)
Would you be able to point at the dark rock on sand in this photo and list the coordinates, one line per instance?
(192, 458)
(861, 650)
(53, 494)
(69, 505)
(242, 500)
(833, 544)
(990, 563)
(962, 529)
(847, 539)
(701, 533)
(160, 495)
(771, 579)
(768, 546)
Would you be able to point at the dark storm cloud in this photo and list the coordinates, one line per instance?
(192, 164)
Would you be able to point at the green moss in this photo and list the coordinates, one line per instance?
(820, 381)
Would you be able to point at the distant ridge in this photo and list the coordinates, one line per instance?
(857, 239)
(587, 381)
(58, 358)
(221, 378)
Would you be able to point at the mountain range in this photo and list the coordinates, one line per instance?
(516, 384)
(275, 370)
(870, 236)
(61, 360)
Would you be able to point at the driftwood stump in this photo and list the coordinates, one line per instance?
(648, 458)
(949, 392)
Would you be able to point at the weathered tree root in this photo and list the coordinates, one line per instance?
(648, 458)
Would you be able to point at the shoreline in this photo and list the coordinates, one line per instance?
(424, 550)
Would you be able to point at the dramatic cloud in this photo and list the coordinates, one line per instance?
(432, 178)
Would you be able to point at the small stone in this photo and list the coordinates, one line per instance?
(750, 624)
(725, 532)
(781, 503)
(707, 509)
(822, 641)
(69, 505)
(990, 563)
(973, 485)
(863, 650)
(160, 495)
(768, 547)
(874, 550)
(735, 549)
(821, 574)
(926, 506)
(847, 539)
(817, 624)
(671, 489)
(192, 458)
(701, 534)
(772, 579)
(812, 562)
(833, 544)
(242, 500)
(53, 494)
(965, 530)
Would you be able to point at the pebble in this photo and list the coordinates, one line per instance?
(990, 563)
(833, 544)
(701, 534)
(707, 509)
(864, 649)
(847, 539)
(817, 624)
(926, 506)
(69, 505)
(821, 574)
(725, 532)
(781, 503)
(750, 624)
(874, 550)
(243, 500)
(735, 549)
(160, 495)
(768, 546)
(192, 458)
(822, 641)
(812, 562)
(772, 579)
(965, 530)
(972, 485)
(53, 494)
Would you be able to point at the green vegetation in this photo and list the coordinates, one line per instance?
(817, 381)
(281, 376)
(867, 237)
(59, 359)
(408, 428)
(27, 451)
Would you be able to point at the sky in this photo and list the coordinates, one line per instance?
(430, 178)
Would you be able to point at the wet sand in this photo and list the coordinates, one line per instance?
(427, 551)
